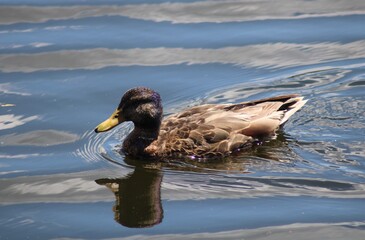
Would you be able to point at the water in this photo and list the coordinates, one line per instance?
(64, 66)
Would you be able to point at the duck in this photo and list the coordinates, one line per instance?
(198, 132)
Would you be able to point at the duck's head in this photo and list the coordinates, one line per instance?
(140, 105)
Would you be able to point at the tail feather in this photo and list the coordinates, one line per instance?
(290, 107)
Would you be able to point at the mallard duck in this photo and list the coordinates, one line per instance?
(205, 131)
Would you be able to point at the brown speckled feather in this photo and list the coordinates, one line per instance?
(218, 130)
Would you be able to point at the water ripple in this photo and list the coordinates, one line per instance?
(191, 12)
(179, 187)
(105, 146)
(271, 56)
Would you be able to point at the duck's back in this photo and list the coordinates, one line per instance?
(217, 130)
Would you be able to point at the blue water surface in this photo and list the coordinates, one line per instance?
(65, 64)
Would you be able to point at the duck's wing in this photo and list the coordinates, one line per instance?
(219, 129)
(255, 118)
(286, 104)
(206, 130)
(267, 115)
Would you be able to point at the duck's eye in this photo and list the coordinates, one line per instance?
(116, 116)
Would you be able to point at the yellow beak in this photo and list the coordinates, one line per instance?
(110, 123)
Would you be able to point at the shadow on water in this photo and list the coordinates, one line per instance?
(138, 194)
(137, 197)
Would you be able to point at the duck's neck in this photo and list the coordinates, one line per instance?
(137, 141)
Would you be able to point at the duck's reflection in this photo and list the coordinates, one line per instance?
(138, 197)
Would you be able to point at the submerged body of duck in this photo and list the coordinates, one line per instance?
(211, 130)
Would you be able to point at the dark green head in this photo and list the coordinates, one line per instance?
(140, 105)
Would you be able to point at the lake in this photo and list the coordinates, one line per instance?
(64, 66)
